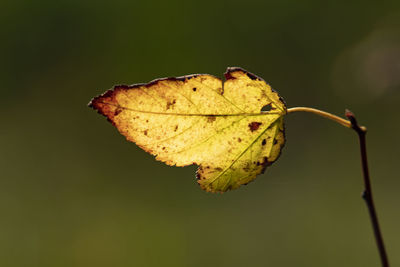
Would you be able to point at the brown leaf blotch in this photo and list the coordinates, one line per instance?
(254, 126)
(170, 103)
(239, 140)
(228, 76)
(117, 111)
(194, 89)
(145, 132)
(247, 167)
(176, 128)
(264, 142)
(275, 141)
(265, 164)
(211, 118)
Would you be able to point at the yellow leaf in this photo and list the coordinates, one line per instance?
(199, 119)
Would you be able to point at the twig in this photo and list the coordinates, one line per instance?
(367, 194)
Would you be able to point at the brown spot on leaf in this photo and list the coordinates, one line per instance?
(264, 142)
(170, 103)
(228, 76)
(211, 118)
(265, 164)
(254, 126)
(247, 167)
(117, 111)
(275, 141)
(194, 89)
(239, 140)
(263, 94)
(176, 128)
(145, 132)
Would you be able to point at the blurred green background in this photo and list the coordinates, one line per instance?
(73, 192)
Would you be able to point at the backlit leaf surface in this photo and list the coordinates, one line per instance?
(199, 119)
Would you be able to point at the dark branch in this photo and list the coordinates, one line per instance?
(367, 194)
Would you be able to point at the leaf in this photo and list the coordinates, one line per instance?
(199, 119)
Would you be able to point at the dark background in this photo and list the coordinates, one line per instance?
(73, 192)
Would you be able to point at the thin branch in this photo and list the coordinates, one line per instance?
(367, 194)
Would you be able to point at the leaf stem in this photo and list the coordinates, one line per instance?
(321, 113)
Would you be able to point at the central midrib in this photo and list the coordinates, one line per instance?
(262, 113)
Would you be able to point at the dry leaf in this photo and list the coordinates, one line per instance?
(199, 119)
